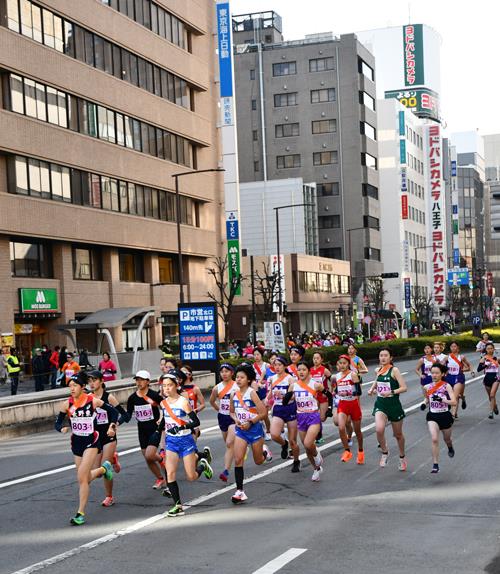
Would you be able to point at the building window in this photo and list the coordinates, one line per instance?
(29, 176)
(286, 130)
(325, 157)
(368, 160)
(50, 105)
(287, 161)
(282, 100)
(131, 267)
(327, 189)
(321, 64)
(94, 50)
(284, 68)
(369, 191)
(252, 74)
(371, 222)
(30, 259)
(373, 254)
(87, 263)
(367, 130)
(256, 165)
(323, 95)
(255, 135)
(366, 100)
(331, 252)
(329, 221)
(366, 70)
(168, 269)
(324, 126)
(254, 104)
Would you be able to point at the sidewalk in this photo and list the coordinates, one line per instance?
(26, 385)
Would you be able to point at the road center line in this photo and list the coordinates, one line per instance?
(278, 563)
(195, 502)
(71, 466)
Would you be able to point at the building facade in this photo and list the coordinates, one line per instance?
(492, 165)
(403, 203)
(102, 102)
(306, 108)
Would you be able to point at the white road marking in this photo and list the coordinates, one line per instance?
(71, 466)
(280, 561)
(195, 502)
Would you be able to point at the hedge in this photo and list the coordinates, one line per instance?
(399, 347)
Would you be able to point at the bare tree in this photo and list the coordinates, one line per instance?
(224, 292)
(266, 291)
(375, 292)
(422, 306)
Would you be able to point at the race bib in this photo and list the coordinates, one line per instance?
(453, 369)
(243, 415)
(383, 387)
(224, 406)
(438, 407)
(143, 413)
(305, 404)
(102, 417)
(82, 426)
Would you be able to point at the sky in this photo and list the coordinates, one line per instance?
(470, 82)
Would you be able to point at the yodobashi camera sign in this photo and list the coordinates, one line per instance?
(198, 338)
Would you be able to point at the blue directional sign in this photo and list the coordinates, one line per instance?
(458, 276)
(476, 320)
(225, 49)
(407, 285)
(198, 332)
(232, 229)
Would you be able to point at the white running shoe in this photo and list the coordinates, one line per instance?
(316, 474)
(238, 497)
(383, 459)
(349, 442)
(268, 436)
(267, 453)
(403, 465)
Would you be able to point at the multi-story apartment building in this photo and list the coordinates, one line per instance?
(101, 103)
(306, 108)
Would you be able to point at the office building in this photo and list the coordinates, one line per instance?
(102, 102)
(306, 109)
(492, 164)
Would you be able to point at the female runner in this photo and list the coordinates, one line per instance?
(247, 411)
(220, 399)
(457, 366)
(320, 374)
(348, 389)
(260, 367)
(424, 365)
(81, 409)
(180, 420)
(107, 442)
(388, 385)
(357, 364)
(305, 391)
(283, 415)
(489, 364)
(439, 396)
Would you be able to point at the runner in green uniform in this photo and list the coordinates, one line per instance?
(388, 385)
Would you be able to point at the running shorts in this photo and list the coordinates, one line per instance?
(79, 444)
(350, 408)
(225, 421)
(306, 420)
(444, 420)
(391, 407)
(253, 434)
(287, 413)
(181, 445)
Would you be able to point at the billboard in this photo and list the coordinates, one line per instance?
(198, 336)
(458, 276)
(413, 54)
(423, 102)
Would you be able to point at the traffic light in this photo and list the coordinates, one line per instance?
(389, 275)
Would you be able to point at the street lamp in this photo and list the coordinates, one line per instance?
(277, 210)
(178, 221)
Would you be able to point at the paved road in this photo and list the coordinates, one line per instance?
(357, 519)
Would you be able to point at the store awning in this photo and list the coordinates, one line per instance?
(107, 318)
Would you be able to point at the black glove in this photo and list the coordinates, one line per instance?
(423, 406)
(176, 430)
(436, 398)
(329, 412)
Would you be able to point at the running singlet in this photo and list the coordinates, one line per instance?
(491, 366)
(225, 400)
(260, 372)
(146, 409)
(346, 389)
(177, 410)
(454, 364)
(244, 407)
(191, 395)
(354, 364)
(82, 417)
(292, 369)
(102, 418)
(386, 383)
(441, 357)
(318, 375)
(427, 365)
(279, 387)
(306, 400)
(438, 406)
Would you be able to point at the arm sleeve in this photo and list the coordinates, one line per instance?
(122, 412)
(481, 367)
(194, 421)
(59, 421)
(125, 417)
(287, 398)
(161, 425)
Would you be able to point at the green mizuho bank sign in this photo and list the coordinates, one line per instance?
(38, 301)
